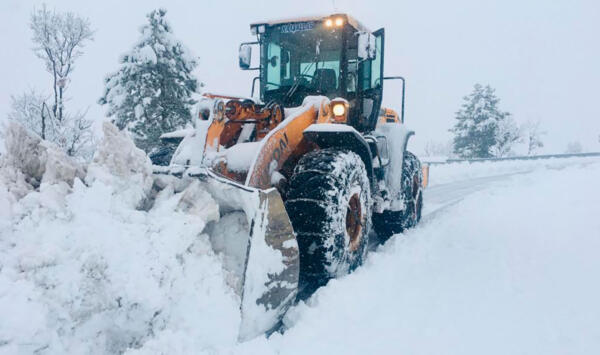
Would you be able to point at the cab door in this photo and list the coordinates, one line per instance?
(370, 88)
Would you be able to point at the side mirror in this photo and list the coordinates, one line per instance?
(366, 46)
(245, 56)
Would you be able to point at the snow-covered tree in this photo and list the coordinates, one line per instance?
(438, 149)
(507, 135)
(73, 133)
(533, 136)
(152, 91)
(59, 39)
(574, 148)
(476, 132)
(30, 111)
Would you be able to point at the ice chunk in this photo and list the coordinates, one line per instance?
(120, 164)
(197, 201)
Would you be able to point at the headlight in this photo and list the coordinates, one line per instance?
(339, 21)
(339, 109)
(328, 22)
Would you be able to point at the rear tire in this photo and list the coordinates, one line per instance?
(389, 223)
(329, 204)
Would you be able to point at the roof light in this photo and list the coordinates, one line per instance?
(339, 21)
(258, 29)
(328, 22)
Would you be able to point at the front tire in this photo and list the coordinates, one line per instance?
(329, 204)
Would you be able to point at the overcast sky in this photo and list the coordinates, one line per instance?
(542, 56)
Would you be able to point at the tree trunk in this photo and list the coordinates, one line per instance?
(60, 104)
(55, 108)
(43, 122)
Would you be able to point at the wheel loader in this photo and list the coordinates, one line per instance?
(311, 160)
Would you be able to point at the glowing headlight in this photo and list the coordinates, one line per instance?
(339, 109)
(328, 22)
(339, 21)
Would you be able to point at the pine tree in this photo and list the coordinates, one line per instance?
(476, 132)
(151, 94)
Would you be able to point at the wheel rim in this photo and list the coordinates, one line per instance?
(354, 221)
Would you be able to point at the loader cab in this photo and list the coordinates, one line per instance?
(333, 56)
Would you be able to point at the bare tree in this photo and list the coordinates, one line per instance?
(58, 39)
(31, 111)
(533, 136)
(73, 134)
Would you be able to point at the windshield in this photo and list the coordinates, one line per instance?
(301, 59)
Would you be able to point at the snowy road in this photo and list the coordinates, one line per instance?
(438, 197)
(456, 185)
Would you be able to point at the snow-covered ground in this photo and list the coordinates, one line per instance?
(510, 269)
(505, 261)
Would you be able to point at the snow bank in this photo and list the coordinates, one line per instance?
(120, 164)
(29, 159)
(30, 164)
(83, 271)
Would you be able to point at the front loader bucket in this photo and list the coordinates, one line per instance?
(269, 280)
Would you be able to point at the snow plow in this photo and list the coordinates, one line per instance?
(312, 162)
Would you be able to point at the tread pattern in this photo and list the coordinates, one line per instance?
(316, 202)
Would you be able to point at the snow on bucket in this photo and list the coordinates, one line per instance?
(262, 253)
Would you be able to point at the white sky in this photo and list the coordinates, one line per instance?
(542, 56)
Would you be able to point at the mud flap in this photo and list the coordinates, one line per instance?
(270, 276)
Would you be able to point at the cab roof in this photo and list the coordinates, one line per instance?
(349, 19)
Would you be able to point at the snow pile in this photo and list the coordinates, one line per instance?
(120, 164)
(83, 271)
(189, 151)
(32, 161)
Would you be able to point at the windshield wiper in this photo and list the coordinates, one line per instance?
(296, 84)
